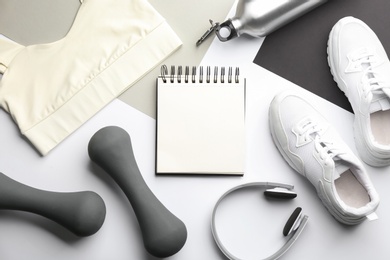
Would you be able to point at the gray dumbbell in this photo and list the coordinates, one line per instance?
(163, 233)
(83, 213)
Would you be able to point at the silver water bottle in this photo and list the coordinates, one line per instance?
(260, 17)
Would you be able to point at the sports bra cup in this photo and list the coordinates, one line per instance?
(52, 89)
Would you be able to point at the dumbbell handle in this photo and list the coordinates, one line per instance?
(163, 233)
(82, 213)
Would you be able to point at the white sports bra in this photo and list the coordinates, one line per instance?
(52, 89)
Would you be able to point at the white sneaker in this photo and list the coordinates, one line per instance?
(361, 68)
(313, 148)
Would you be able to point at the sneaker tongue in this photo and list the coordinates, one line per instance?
(380, 102)
(340, 166)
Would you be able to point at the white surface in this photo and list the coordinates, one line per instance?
(250, 226)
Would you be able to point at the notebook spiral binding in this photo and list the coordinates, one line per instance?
(191, 77)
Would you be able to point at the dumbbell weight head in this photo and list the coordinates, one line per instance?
(82, 213)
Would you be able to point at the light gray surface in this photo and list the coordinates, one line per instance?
(41, 21)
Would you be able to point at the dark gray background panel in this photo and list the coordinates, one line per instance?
(297, 51)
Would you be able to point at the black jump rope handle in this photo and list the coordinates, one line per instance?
(82, 213)
(163, 233)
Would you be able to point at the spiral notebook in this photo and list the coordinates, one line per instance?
(200, 121)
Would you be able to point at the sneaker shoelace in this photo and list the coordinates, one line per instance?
(366, 58)
(325, 148)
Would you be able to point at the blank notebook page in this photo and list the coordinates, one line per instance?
(200, 128)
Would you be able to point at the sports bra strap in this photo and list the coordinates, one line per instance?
(8, 50)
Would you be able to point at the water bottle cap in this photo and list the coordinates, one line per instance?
(226, 31)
